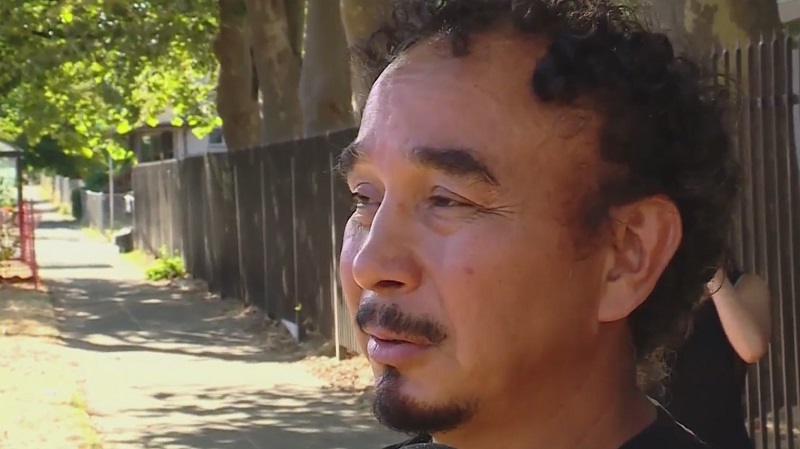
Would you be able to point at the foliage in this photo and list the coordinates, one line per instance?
(48, 156)
(165, 267)
(792, 28)
(96, 181)
(8, 193)
(77, 72)
(9, 233)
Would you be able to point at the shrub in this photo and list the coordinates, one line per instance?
(165, 267)
(77, 204)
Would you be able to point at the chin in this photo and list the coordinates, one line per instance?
(400, 410)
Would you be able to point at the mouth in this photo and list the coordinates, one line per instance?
(389, 337)
(394, 350)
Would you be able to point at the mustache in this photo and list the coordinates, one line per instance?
(391, 318)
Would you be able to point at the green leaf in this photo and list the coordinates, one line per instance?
(124, 127)
(78, 72)
(66, 14)
(151, 121)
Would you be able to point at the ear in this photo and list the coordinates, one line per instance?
(645, 236)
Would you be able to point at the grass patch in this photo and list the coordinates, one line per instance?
(42, 403)
(46, 193)
(165, 267)
(108, 234)
(138, 258)
(64, 209)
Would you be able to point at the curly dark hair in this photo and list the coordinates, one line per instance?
(665, 122)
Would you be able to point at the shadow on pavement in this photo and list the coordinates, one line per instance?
(52, 224)
(117, 316)
(74, 266)
(172, 369)
(247, 418)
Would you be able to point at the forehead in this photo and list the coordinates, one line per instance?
(482, 102)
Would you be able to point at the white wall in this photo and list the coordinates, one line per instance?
(188, 145)
(789, 10)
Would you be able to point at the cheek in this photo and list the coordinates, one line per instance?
(513, 292)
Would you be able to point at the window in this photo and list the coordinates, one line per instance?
(216, 137)
(167, 145)
(146, 153)
(156, 145)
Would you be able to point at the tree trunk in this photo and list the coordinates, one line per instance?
(699, 25)
(278, 67)
(296, 18)
(325, 93)
(237, 105)
(361, 18)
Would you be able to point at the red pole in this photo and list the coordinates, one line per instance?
(32, 250)
(23, 237)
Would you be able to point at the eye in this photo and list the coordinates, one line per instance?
(444, 202)
(359, 200)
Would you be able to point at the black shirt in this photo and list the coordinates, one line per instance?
(664, 433)
(706, 383)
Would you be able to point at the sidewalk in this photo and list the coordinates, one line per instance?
(169, 370)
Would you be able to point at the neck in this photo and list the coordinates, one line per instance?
(592, 401)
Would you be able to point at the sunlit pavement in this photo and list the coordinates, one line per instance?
(163, 370)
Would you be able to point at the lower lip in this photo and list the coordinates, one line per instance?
(393, 353)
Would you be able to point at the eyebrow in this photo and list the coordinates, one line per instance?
(349, 158)
(454, 161)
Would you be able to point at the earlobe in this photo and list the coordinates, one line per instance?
(645, 236)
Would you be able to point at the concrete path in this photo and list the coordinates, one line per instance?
(163, 371)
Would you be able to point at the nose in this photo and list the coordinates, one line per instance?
(387, 262)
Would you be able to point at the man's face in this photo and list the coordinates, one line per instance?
(464, 243)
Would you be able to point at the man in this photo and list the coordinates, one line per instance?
(541, 192)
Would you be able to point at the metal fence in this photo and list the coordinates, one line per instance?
(262, 225)
(97, 211)
(766, 235)
(60, 188)
(265, 225)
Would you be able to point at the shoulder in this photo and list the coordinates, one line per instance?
(685, 439)
(734, 274)
(676, 438)
(416, 440)
(752, 283)
(753, 292)
(666, 433)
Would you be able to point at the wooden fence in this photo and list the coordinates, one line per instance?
(265, 225)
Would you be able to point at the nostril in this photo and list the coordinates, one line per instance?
(389, 285)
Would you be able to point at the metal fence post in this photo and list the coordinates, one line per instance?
(243, 287)
(110, 192)
(98, 199)
(298, 309)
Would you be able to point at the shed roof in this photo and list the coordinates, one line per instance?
(6, 148)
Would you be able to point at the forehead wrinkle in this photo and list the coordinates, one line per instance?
(497, 74)
(496, 77)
